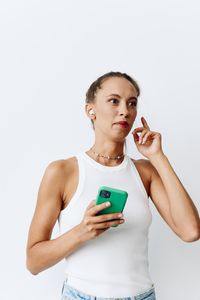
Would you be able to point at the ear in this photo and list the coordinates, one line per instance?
(89, 109)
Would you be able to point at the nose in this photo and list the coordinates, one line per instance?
(124, 110)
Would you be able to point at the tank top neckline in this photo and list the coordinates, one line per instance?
(103, 167)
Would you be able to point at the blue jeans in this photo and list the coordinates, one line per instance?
(69, 293)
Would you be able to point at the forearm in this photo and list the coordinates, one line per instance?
(45, 254)
(183, 210)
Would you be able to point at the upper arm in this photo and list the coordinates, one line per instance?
(48, 206)
(159, 197)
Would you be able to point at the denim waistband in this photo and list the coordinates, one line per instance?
(70, 293)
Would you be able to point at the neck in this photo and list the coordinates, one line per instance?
(111, 149)
(107, 153)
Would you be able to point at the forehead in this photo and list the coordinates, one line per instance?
(117, 85)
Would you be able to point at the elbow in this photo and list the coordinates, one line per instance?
(30, 267)
(192, 237)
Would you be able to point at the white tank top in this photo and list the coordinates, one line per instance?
(114, 264)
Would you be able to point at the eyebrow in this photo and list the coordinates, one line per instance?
(116, 95)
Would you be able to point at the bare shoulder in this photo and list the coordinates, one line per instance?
(61, 169)
(61, 166)
(144, 165)
(52, 187)
(66, 175)
(49, 200)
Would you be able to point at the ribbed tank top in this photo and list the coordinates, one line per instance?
(115, 263)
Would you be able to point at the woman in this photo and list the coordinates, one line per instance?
(103, 261)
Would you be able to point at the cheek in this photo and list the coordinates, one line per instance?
(133, 115)
(107, 111)
(135, 112)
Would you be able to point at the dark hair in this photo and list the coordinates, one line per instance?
(91, 92)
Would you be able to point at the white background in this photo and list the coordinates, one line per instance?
(50, 52)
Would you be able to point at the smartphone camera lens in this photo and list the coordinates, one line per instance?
(105, 194)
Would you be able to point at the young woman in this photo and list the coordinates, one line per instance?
(103, 261)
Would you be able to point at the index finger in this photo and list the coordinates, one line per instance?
(144, 122)
(138, 129)
(95, 209)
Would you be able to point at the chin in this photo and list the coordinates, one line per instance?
(119, 137)
(122, 133)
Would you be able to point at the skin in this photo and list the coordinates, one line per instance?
(60, 181)
(109, 137)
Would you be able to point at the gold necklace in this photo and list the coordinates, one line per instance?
(107, 156)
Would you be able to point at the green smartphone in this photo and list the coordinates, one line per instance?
(116, 197)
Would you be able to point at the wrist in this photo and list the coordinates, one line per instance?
(157, 157)
(79, 234)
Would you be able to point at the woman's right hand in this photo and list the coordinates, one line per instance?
(92, 226)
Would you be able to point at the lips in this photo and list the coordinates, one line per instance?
(122, 124)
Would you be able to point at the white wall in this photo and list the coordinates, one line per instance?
(50, 52)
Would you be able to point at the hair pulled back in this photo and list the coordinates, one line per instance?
(92, 90)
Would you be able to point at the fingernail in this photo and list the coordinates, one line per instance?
(107, 203)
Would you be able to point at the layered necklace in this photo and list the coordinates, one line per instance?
(107, 156)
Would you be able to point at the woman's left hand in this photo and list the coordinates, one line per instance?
(149, 142)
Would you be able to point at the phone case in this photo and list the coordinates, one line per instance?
(116, 197)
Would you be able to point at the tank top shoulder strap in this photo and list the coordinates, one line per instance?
(137, 176)
(81, 176)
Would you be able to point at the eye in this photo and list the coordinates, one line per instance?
(133, 103)
(114, 100)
